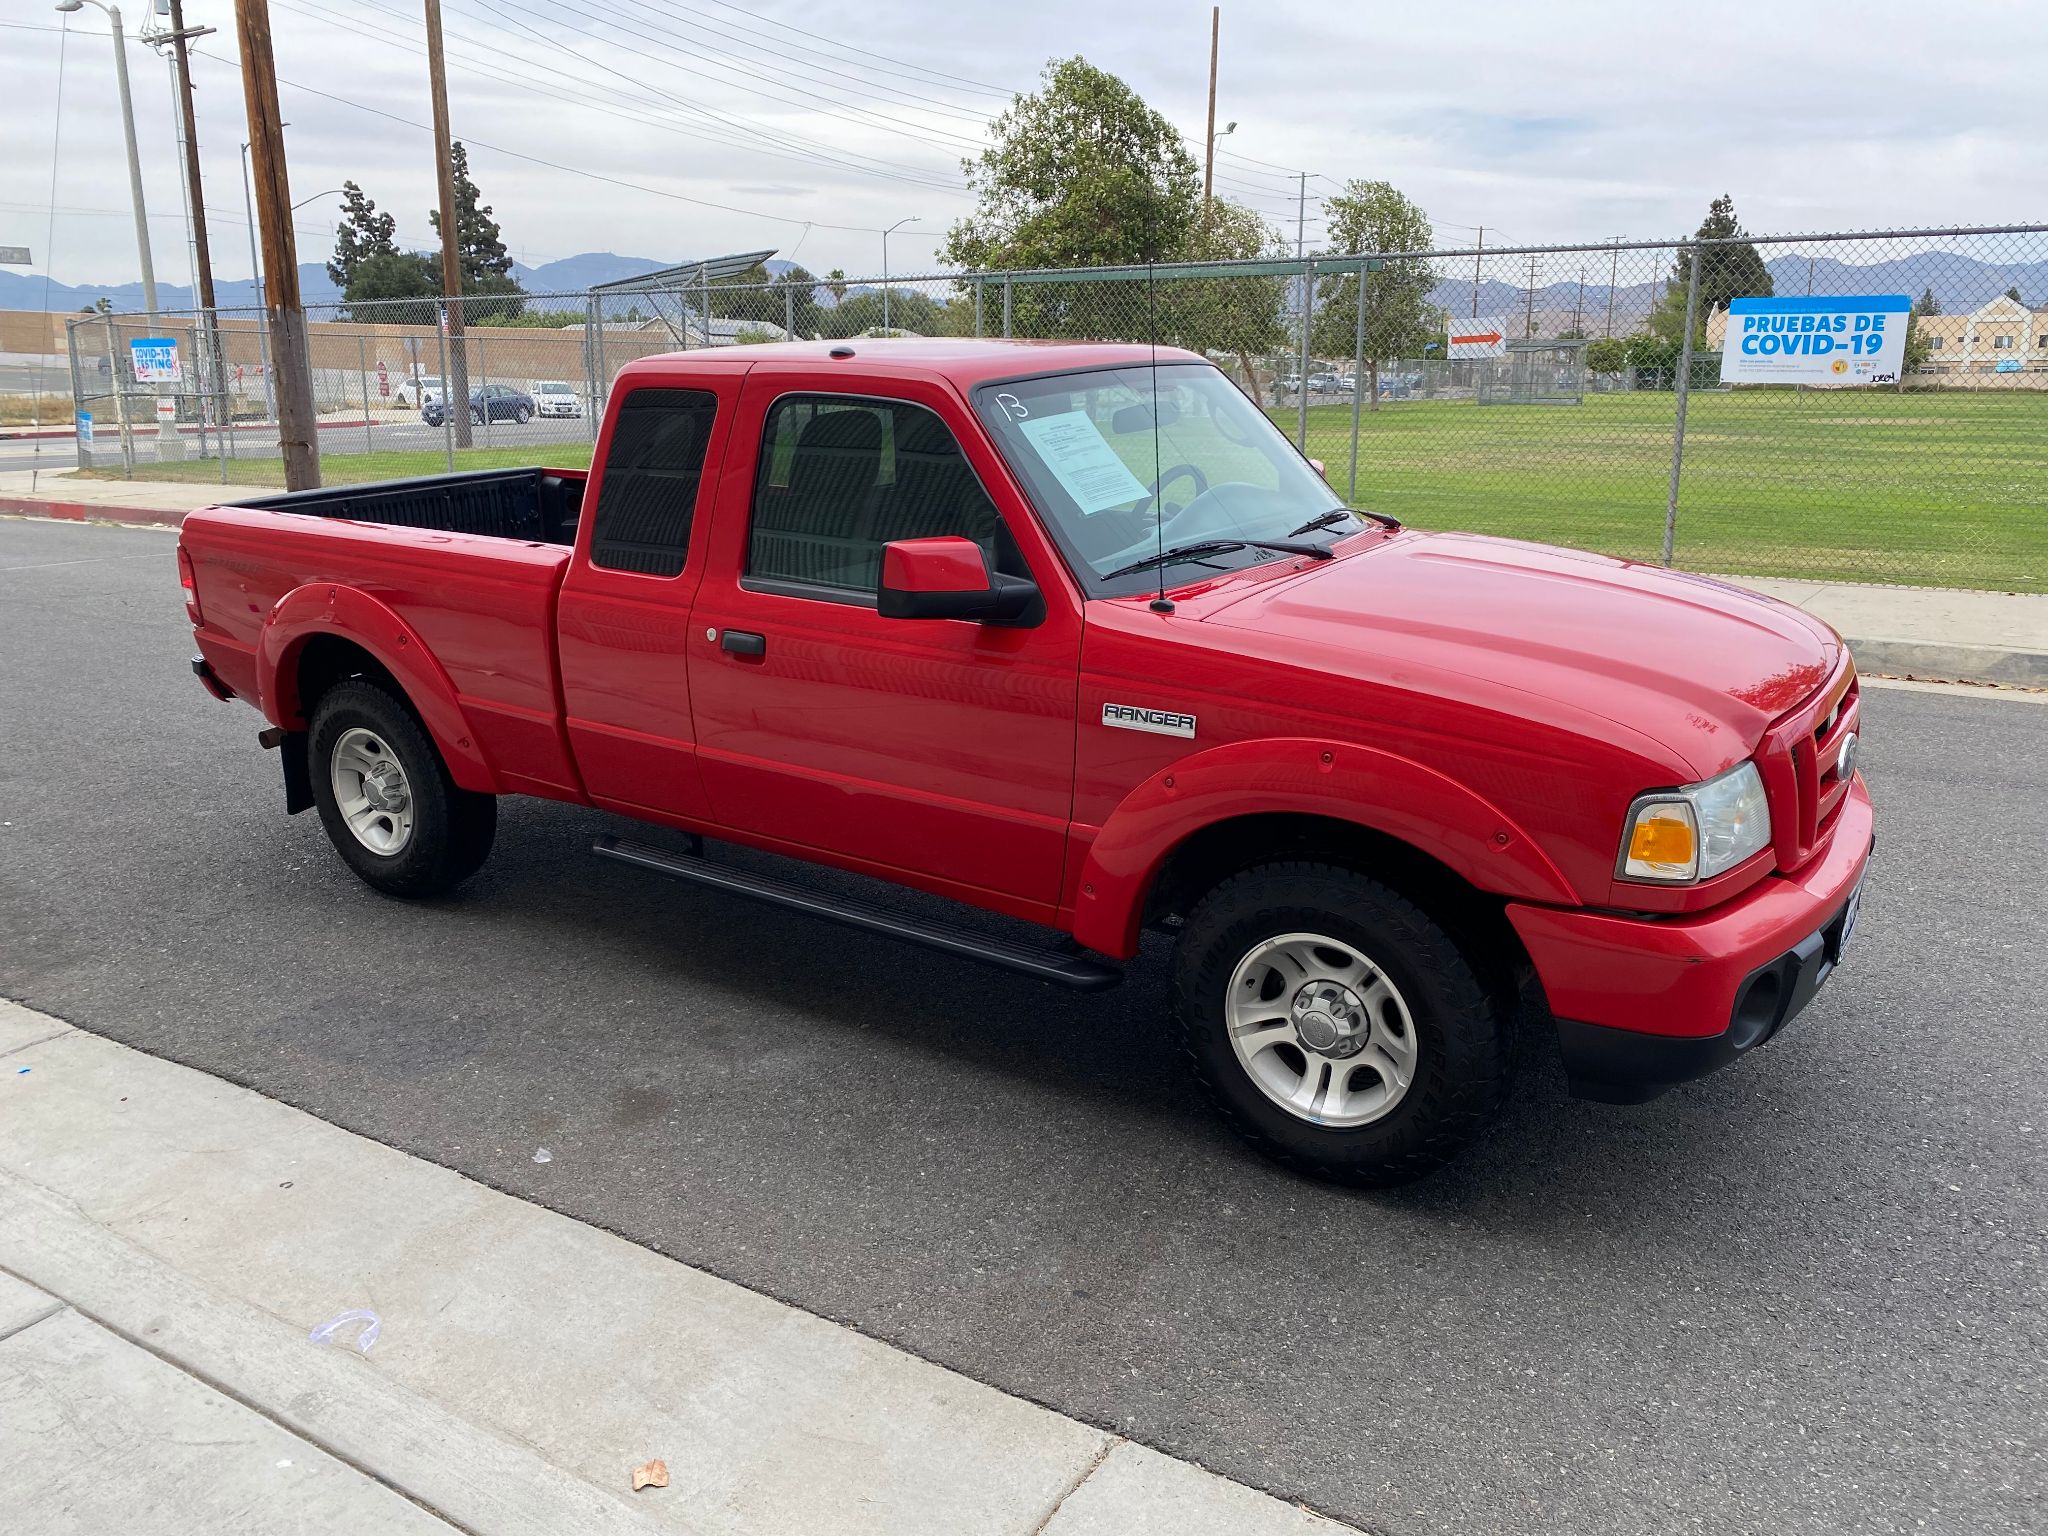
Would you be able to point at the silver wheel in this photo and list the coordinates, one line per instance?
(1321, 1030)
(372, 791)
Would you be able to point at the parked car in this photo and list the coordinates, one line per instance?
(1324, 383)
(417, 394)
(553, 397)
(487, 403)
(907, 609)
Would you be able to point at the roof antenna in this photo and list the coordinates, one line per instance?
(1162, 603)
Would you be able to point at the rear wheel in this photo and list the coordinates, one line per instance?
(1335, 1025)
(386, 799)
(522, 415)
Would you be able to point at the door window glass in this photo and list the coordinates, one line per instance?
(841, 477)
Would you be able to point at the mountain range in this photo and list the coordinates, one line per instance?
(1960, 283)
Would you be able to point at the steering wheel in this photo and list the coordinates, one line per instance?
(1167, 478)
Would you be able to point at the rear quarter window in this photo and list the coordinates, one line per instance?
(647, 496)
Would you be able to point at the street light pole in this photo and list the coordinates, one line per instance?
(256, 268)
(885, 264)
(169, 444)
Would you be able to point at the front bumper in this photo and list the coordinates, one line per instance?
(1645, 1003)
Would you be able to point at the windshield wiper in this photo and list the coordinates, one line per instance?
(1335, 515)
(1216, 547)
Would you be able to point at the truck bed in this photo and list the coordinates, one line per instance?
(539, 505)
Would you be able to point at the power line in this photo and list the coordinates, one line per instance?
(983, 85)
(550, 87)
(555, 165)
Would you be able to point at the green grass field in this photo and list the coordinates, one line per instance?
(1932, 489)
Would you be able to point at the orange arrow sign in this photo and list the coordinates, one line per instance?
(1487, 338)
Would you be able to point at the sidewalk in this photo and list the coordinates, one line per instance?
(1929, 633)
(168, 1240)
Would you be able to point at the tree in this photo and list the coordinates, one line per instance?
(99, 306)
(1369, 218)
(479, 246)
(395, 288)
(1607, 355)
(2013, 293)
(909, 310)
(362, 234)
(1927, 303)
(799, 310)
(835, 283)
(1730, 269)
(1238, 314)
(1082, 173)
(753, 295)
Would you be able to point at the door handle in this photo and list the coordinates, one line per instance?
(741, 642)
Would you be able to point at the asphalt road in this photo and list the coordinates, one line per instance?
(1809, 1294)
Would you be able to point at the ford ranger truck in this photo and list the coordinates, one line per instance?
(1074, 634)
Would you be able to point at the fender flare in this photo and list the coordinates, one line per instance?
(1340, 780)
(329, 608)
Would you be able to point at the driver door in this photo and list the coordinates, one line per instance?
(936, 751)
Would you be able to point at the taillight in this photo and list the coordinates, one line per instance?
(190, 582)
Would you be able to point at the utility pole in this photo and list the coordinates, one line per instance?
(1209, 155)
(1529, 313)
(1478, 254)
(297, 430)
(207, 332)
(1579, 308)
(169, 444)
(454, 388)
(1613, 276)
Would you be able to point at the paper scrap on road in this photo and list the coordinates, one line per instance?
(543, 1155)
(653, 1475)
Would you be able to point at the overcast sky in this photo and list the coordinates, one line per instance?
(1544, 122)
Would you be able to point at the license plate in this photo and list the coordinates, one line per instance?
(1850, 914)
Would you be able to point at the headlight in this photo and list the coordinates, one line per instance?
(1681, 836)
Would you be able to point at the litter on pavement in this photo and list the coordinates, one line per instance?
(326, 1332)
(652, 1475)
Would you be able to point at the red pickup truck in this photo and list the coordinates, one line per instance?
(1073, 633)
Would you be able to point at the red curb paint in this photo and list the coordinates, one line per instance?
(91, 512)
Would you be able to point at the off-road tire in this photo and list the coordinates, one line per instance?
(452, 828)
(1463, 1029)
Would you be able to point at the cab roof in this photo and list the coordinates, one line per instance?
(960, 361)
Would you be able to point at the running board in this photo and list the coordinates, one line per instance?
(1080, 971)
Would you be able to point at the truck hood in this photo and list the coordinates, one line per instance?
(1697, 665)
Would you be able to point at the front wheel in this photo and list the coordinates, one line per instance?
(522, 416)
(384, 795)
(1335, 1025)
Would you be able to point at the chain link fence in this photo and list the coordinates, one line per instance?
(1568, 394)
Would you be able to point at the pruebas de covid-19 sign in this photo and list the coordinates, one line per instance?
(1816, 341)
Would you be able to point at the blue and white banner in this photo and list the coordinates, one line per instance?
(155, 359)
(1816, 341)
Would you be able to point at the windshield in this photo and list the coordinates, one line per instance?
(1116, 491)
(553, 388)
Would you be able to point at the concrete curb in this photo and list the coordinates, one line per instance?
(530, 1360)
(1934, 662)
(476, 1480)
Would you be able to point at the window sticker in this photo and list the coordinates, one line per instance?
(1077, 453)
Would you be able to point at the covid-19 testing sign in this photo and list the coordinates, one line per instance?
(1816, 341)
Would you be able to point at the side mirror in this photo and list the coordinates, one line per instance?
(949, 578)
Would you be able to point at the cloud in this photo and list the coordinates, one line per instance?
(1544, 123)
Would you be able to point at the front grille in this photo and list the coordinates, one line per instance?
(1800, 759)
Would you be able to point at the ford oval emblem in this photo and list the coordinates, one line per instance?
(1845, 764)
